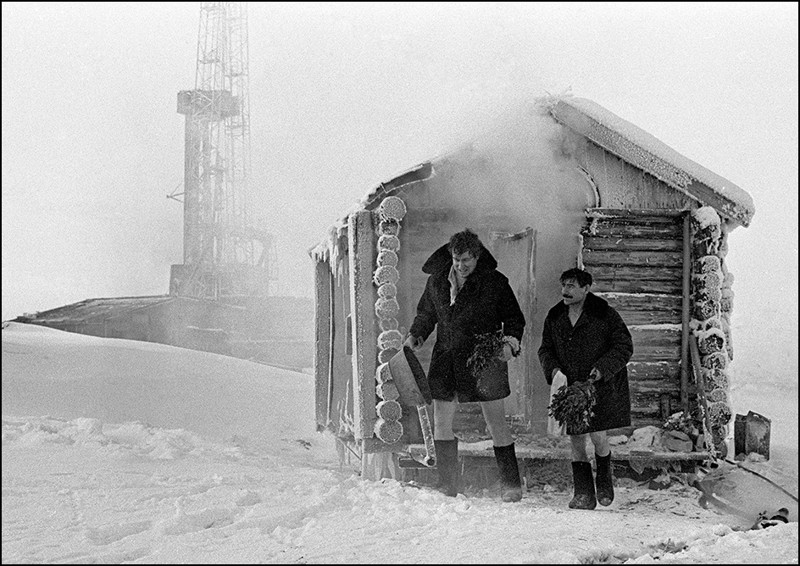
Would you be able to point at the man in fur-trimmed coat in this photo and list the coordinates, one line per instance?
(466, 296)
(584, 338)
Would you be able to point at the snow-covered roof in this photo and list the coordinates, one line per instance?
(645, 151)
(93, 310)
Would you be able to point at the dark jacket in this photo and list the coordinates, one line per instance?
(600, 339)
(484, 304)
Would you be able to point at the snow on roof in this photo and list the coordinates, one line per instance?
(643, 150)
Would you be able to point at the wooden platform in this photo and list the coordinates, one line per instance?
(483, 448)
(549, 465)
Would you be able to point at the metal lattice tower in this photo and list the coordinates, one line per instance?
(224, 257)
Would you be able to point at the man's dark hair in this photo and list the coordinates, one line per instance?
(583, 278)
(465, 241)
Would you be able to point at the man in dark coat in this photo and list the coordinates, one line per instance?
(584, 338)
(466, 296)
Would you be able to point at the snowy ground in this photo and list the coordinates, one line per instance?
(118, 451)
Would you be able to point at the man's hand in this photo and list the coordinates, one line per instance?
(594, 375)
(506, 354)
(413, 342)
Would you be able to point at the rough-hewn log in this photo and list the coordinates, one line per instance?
(667, 370)
(629, 258)
(633, 273)
(635, 285)
(642, 301)
(686, 305)
(361, 242)
(644, 353)
(605, 228)
(656, 335)
(649, 317)
(664, 216)
(633, 244)
(655, 386)
(389, 410)
(387, 391)
(388, 431)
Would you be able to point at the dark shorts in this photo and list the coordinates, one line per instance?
(491, 385)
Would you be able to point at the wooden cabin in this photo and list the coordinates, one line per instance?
(560, 184)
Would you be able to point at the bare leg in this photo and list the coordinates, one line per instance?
(578, 442)
(443, 414)
(494, 412)
(600, 441)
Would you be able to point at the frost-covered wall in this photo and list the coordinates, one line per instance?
(712, 299)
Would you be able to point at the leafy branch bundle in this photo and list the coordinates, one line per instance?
(487, 348)
(574, 406)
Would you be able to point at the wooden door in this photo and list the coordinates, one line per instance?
(516, 259)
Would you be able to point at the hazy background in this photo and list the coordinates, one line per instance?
(344, 96)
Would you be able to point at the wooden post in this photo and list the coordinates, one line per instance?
(322, 342)
(685, 311)
(361, 252)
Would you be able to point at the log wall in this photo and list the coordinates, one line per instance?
(636, 260)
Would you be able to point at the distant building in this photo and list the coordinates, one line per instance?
(273, 330)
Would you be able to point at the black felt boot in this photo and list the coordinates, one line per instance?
(584, 486)
(604, 481)
(510, 485)
(447, 464)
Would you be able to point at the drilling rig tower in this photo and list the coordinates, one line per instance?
(225, 257)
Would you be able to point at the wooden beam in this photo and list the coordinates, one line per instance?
(361, 252)
(685, 312)
(605, 228)
(322, 342)
(634, 272)
(631, 258)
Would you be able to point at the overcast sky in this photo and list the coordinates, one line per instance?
(344, 96)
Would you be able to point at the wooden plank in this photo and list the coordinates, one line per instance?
(620, 243)
(322, 342)
(668, 370)
(361, 246)
(631, 258)
(649, 317)
(642, 301)
(633, 273)
(630, 230)
(656, 334)
(530, 451)
(685, 311)
(635, 286)
(661, 215)
(650, 353)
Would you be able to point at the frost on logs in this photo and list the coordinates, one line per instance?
(713, 302)
(390, 341)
